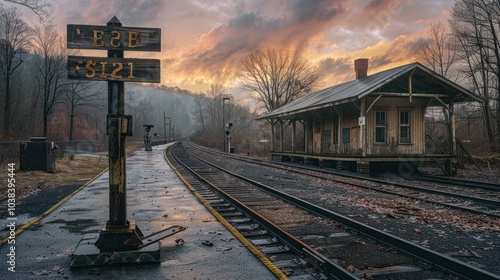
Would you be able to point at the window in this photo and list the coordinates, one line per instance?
(380, 126)
(336, 130)
(327, 140)
(317, 127)
(346, 135)
(404, 127)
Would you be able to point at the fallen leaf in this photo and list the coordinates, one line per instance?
(223, 248)
(41, 272)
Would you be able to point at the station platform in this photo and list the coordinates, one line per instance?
(157, 199)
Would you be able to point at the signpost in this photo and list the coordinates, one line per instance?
(119, 236)
(113, 37)
(114, 69)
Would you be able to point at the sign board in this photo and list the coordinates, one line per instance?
(113, 38)
(114, 69)
(361, 120)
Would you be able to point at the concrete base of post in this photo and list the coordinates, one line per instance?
(87, 254)
(119, 246)
(120, 238)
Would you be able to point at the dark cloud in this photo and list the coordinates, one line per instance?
(129, 12)
(244, 21)
(332, 65)
(378, 61)
(336, 70)
(317, 10)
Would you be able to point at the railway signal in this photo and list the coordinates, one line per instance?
(147, 140)
(228, 136)
(228, 127)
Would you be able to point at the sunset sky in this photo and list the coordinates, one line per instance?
(203, 41)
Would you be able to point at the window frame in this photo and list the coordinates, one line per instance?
(406, 125)
(380, 126)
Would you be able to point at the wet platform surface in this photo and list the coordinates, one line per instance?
(157, 199)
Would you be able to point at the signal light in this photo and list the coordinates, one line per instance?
(228, 126)
(148, 127)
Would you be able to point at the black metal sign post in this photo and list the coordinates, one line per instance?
(120, 241)
(117, 230)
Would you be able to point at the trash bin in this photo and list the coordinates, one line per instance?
(38, 154)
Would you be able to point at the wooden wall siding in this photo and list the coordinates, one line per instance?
(317, 130)
(348, 120)
(392, 107)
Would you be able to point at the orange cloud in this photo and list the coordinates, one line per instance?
(204, 41)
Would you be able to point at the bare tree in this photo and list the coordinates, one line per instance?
(215, 113)
(43, 9)
(14, 39)
(277, 76)
(476, 24)
(208, 110)
(439, 52)
(198, 110)
(81, 94)
(51, 68)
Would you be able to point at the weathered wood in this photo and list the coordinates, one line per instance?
(113, 38)
(114, 69)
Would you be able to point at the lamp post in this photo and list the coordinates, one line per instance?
(224, 123)
(167, 140)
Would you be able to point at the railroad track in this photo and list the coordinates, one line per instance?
(486, 201)
(486, 186)
(306, 240)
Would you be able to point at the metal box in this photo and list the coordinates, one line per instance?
(38, 154)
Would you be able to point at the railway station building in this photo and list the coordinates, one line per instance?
(372, 122)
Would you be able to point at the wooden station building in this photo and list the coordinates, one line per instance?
(371, 122)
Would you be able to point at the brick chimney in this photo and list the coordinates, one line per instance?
(361, 67)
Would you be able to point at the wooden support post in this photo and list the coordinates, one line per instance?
(340, 145)
(281, 135)
(306, 136)
(272, 134)
(293, 135)
(453, 144)
(362, 127)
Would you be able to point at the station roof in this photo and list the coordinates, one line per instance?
(393, 81)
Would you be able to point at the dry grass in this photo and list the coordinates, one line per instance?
(69, 172)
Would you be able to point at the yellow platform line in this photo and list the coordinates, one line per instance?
(46, 213)
(268, 263)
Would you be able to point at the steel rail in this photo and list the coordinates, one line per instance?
(447, 264)
(319, 260)
(483, 201)
(458, 182)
